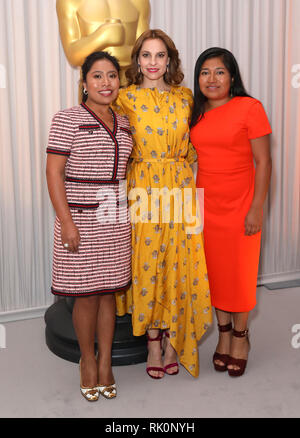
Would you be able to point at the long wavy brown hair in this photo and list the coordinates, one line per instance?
(173, 75)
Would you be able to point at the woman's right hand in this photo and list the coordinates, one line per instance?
(70, 236)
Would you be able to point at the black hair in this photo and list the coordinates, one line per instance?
(90, 60)
(237, 87)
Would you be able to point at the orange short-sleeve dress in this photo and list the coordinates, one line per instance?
(226, 171)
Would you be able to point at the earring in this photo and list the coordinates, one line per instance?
(139, 69)
(231, 89)
(167, 70)
(85, 92)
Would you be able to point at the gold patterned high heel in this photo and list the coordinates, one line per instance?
(108, 391)
(90, 394)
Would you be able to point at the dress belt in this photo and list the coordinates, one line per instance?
(158, 160)
(93, 181)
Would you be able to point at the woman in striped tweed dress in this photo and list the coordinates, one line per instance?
(88, 149)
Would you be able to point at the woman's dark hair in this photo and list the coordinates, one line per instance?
(237, 87)
(90, 60)
(174, 74)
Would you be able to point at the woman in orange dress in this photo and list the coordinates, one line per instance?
(230, 131)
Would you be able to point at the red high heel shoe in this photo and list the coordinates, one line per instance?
(148, 369)
(171, 365)
(222, 357)
(241, 363)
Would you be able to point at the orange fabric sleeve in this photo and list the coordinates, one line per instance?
(257, 121)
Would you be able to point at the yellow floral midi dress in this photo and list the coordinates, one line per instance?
(170, 288)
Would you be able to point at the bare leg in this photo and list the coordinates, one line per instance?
(154, 353)
(224, 342)
(84, 321)
(105, 334)
(239, 346)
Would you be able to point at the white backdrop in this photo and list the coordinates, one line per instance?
(36, 81)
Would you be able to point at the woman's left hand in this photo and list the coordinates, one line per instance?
(253, 221)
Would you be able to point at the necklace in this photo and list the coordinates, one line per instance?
(164, 89)
(160, 89)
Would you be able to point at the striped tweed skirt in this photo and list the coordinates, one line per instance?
(103, 261)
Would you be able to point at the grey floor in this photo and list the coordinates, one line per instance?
(36, 383)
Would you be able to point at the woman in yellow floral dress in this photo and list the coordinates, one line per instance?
(170, 290)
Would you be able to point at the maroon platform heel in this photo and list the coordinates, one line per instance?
(222, 357)
(241, 363)
(148, 369)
